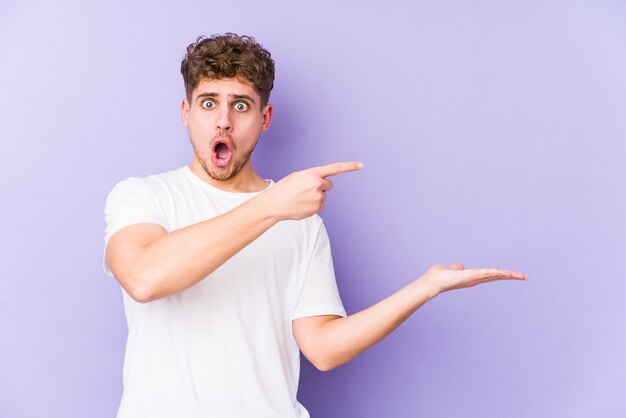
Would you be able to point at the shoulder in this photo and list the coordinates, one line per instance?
(166, 180)
(313, 228)
(151, 184)
(132, 187)
(316, 223)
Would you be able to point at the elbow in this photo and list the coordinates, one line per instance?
(139, 289)
(325, 364)
(140, 294)
(144, 291)
(324, 367)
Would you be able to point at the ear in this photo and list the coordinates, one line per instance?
(266, 114)
(185, 112)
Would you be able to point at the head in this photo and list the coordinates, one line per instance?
(228, 80)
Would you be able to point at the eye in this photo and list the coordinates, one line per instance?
(241, 106)
(208, 104)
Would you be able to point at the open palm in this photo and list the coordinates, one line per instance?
(456, 276)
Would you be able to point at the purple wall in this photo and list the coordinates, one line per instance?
(493, 134)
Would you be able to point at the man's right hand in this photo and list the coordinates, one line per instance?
(302, 194)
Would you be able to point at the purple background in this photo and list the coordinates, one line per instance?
(493, 134)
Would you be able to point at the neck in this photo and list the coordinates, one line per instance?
(245, 181)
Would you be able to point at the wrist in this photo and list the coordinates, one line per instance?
(425, 286)
(267, 208)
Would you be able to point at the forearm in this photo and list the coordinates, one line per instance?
(343, 339)
(182, 258)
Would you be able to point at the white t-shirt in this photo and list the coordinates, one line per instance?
(224, 347)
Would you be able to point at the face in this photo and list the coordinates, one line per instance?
(225, 119)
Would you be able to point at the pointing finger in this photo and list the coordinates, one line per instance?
(337, 168)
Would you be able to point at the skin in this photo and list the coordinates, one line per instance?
(229, 111)
(329, 341)
(151, 263)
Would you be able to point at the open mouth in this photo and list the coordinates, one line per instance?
(221, 154)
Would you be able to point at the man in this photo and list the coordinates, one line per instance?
(225, 275)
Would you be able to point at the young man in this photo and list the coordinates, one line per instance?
(226, 275)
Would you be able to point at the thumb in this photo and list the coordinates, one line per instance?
(456, 266)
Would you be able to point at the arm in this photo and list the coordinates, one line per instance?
(151, 263)
(330, 341)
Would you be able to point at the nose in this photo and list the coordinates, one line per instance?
(224, 122)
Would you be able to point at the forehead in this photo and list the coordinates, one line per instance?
(225, 87)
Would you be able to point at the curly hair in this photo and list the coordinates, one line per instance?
(225, 56)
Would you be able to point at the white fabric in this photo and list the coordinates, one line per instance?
(224, 347)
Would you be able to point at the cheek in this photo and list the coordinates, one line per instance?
(251, 126)
(197, 126)
(200, 139)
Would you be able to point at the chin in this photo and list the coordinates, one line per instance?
(222, 173)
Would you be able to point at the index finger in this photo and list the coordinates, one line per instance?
(337, 168)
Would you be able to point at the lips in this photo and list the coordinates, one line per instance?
(221, 153)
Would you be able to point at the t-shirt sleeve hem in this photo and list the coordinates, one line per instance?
(319, 310)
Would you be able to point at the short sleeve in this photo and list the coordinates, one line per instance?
(130, 202)
(320, 295)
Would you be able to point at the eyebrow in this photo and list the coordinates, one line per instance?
(235, 96)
